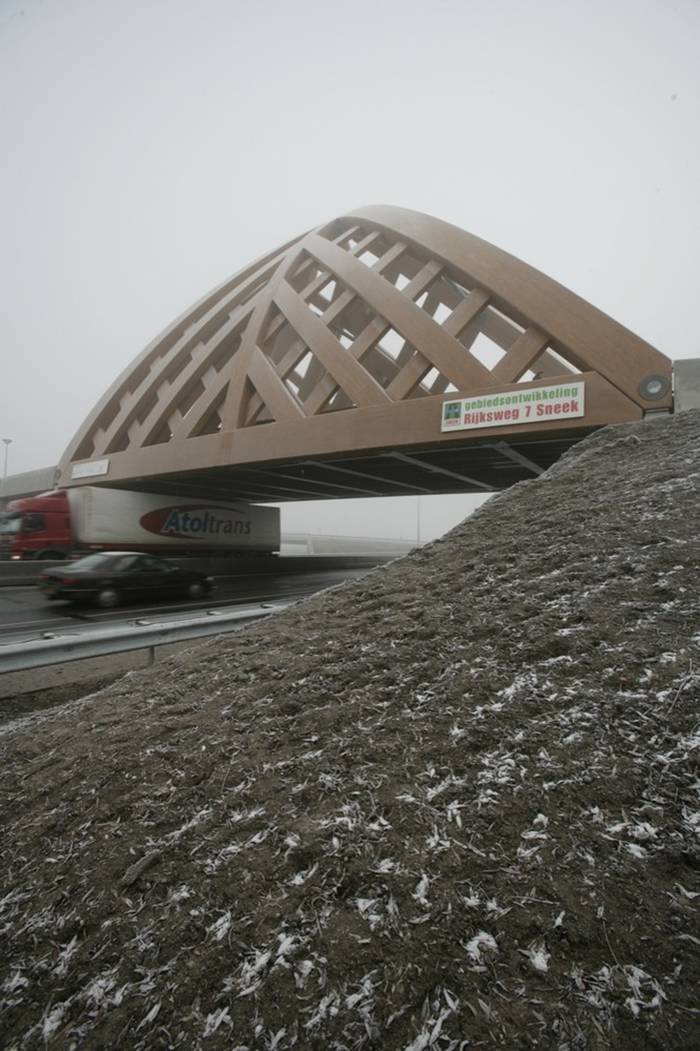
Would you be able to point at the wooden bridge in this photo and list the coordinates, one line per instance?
(383, 353)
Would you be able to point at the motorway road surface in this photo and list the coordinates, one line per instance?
(25, 613)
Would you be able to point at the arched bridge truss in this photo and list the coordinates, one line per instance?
(371, 356)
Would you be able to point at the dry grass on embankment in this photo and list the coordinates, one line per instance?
(450, 805)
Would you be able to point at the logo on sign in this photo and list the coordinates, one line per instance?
(193, 522)
(451, 414)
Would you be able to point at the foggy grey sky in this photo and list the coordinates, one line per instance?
(152, 147)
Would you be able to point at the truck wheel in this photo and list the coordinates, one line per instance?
(195, 589)
(107, 598)
(49, 556)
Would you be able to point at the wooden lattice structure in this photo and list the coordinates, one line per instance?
(321, 369)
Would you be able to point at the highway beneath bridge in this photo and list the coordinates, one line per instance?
(26, 619)
(26, 614)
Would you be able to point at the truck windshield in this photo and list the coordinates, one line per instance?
(10, 523)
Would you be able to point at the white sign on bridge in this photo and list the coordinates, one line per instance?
(513, 407)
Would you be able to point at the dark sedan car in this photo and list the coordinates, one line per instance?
(111, 577)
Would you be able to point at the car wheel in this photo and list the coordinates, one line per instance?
(107, 598)
(195, 589)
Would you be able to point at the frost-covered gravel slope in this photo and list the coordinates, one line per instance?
(452, 805)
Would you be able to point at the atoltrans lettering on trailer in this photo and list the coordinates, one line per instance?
(196, 522)
(506, 408)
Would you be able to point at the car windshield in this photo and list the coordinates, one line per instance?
(99, 562)
(10, 523)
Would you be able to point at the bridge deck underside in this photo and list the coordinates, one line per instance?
(460, 467)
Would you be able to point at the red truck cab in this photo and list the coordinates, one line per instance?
(36, 527)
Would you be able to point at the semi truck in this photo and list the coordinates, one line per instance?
(70, 522)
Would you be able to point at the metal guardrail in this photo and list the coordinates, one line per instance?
(101, 642)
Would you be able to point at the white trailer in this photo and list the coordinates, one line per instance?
(121, 519)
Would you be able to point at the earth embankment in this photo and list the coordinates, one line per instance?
(451, 805)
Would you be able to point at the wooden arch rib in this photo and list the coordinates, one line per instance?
(339, 339)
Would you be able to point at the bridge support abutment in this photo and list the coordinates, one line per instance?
(686, 382)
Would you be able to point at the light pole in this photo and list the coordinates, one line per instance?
(7, 442)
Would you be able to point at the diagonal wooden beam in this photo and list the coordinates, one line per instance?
(389, 257)
(233, 407)
(273, 391)
(425, 276)
(373, 331)
(448, 356)
(521, 355)
(410, 376)
(347, 373)
(465, 312)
